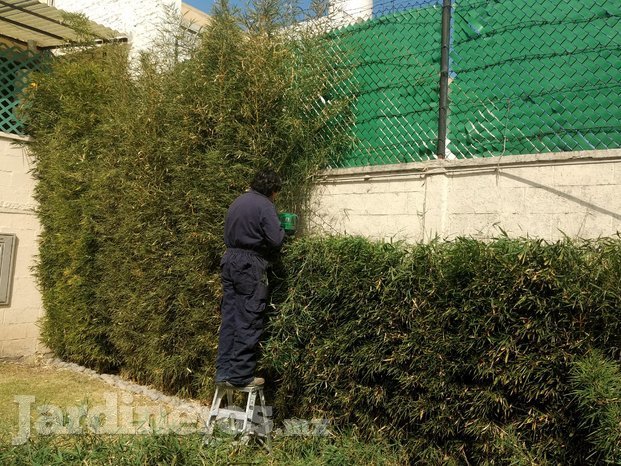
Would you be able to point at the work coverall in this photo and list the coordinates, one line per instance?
(252, 234)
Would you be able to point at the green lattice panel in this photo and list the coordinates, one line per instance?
(15, 67)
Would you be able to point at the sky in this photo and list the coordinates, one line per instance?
(380, 5)
(205, 5)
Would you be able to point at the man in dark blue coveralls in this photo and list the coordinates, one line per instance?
(252, 234)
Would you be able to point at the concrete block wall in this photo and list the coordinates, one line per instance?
(541, 195)
(19, 333)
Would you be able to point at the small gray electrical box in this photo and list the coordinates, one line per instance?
(7, 253)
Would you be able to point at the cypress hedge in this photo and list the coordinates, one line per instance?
(465, 351)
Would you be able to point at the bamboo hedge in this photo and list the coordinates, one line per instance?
(468, 352)
(136, 164)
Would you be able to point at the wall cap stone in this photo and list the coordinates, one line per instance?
(430, 167)
(14, 137)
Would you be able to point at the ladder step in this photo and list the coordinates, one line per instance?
(251, 421)
(244, 389)
(224, 413)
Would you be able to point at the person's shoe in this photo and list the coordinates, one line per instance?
(256, 382)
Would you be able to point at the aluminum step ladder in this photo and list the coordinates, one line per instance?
(253, 422)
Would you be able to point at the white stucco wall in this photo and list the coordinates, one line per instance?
(19, 333)
(345, 12)
(544, 195)
(141, 20)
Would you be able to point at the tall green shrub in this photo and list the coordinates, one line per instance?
(71, 114)
(136, 165)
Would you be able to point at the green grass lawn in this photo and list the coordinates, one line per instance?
(60, 393)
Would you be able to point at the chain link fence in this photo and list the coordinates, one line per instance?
(525, 76)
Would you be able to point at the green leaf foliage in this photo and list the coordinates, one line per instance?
(596, 383)
(462, 350)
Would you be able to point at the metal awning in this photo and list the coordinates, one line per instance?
(31, 20)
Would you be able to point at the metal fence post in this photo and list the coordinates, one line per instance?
(444, 76)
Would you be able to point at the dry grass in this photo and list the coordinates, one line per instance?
(53, 386)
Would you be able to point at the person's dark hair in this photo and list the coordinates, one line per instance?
(266, 182)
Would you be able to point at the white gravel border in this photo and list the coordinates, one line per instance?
(187, 405)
